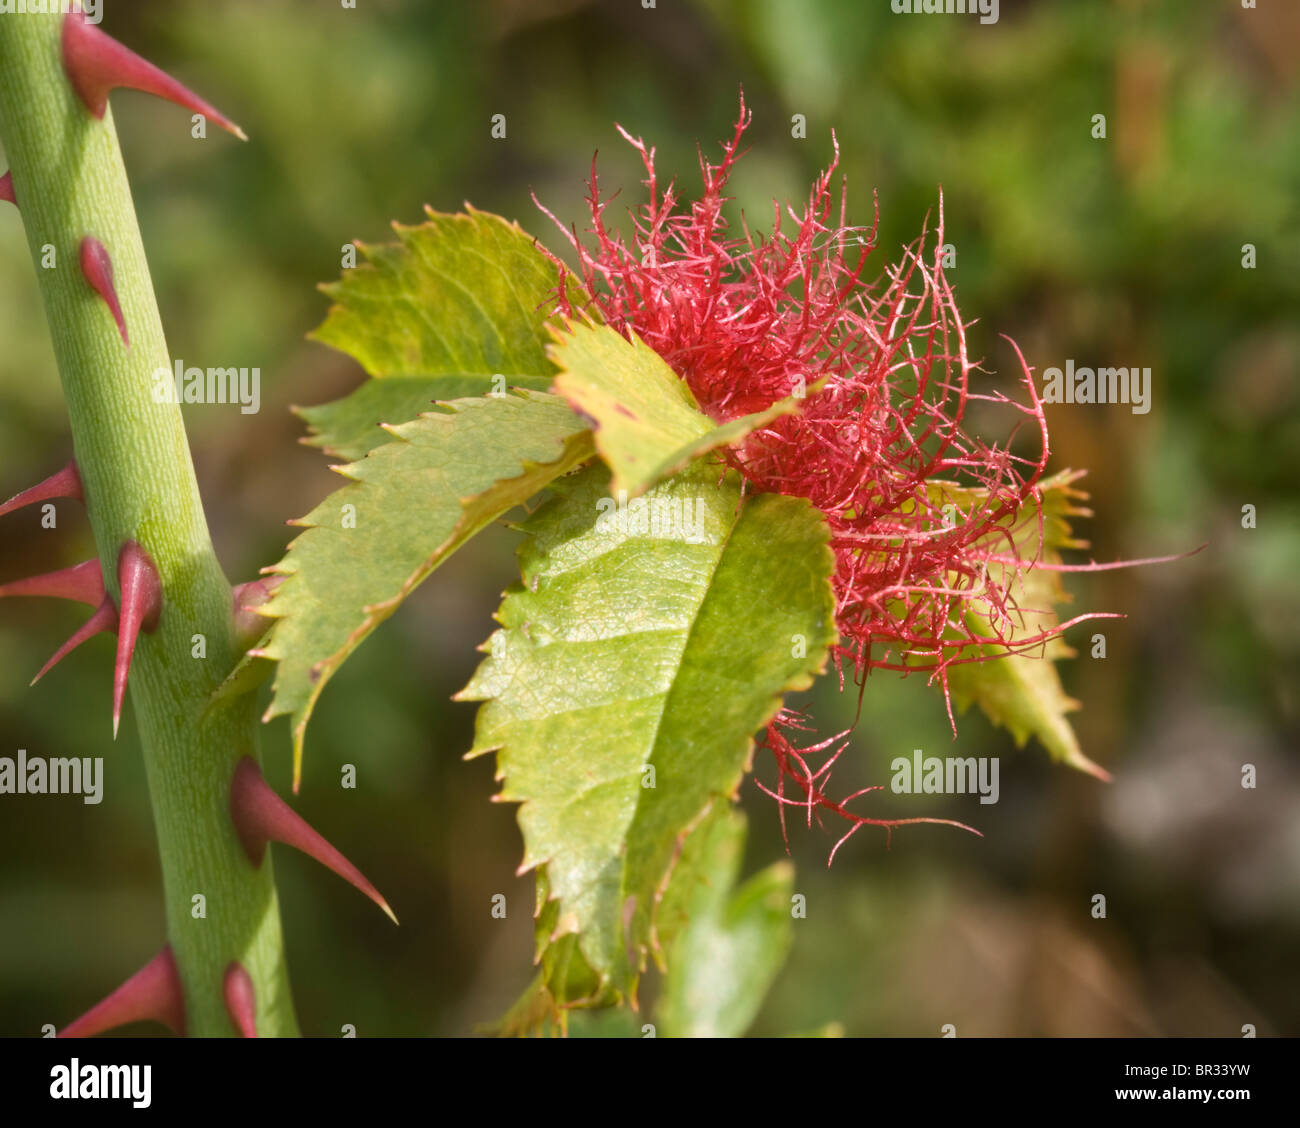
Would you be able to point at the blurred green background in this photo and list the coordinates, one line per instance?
(1123, 251)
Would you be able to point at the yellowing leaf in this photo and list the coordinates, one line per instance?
(633, 666)
(647, 424)
(1022, 692)
(409, 505)
(450, 310)
(730, 942)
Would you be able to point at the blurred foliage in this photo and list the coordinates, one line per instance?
(1120, 251)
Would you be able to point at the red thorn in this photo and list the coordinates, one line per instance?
(261, 816)
(249, 625)
(98, 269)
(154, 992)
(141, 593)
(97, 63)
(7, 188)
(104, 619)
(65, 483)
(82, 582)
(241, 1001)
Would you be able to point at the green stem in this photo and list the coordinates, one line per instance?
(139, 482)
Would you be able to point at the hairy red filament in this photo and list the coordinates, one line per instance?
(885, 380)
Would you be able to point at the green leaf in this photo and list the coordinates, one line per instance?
(565, 980)
(351, 427)
(248, 674)
(630, 649)
(410, 504)
(436, 316)
(647, 423)
(1022, 692)
(731, 943)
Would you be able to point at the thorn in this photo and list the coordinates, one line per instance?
(98, 269)
(104, 619)
(141, 594)
(82, 582)
(261, 816)
(249, 625)
(7, 188)
(97, 63)
(66, 483)
(154, 992)
(241, 1001)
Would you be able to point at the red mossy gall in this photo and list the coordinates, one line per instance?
(881, 365)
